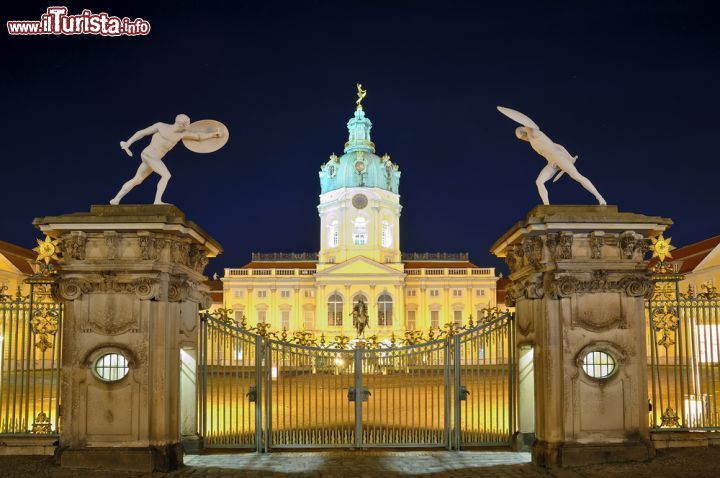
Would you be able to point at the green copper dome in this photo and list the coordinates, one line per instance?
(359, 166)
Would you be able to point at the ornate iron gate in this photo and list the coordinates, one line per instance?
(485, 374)
(684, 348)
(30, 344)
(265, 390)
(306, 397)
(230, 386)
(408, 395)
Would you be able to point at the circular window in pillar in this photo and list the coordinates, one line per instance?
(111, 367)
(599, 364)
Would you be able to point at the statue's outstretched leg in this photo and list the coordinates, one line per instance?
(585, 182)
(143, 172)
(544, 176)
(159, 167)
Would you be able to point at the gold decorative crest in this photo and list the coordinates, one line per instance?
(665, 322)
(44, 325)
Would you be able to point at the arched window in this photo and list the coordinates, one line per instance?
(385, 234)
(385, 311)
(333, 234)
(360, 231)
(357, 297)
(335, 310)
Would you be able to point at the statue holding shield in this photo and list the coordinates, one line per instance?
(203, 136)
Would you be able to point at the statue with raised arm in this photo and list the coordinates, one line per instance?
(201, 137)
(559, 159)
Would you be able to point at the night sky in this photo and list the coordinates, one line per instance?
(632, 87)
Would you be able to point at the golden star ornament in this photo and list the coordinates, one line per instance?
(47, 250)
(661, 247)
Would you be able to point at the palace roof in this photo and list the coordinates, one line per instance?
(18, 256)
(216, 290)
(280, 265)
(501, 285)
(689, 257)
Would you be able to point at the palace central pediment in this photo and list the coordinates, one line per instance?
(359, 266)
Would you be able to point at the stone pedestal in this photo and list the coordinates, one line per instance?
(579, 281)
(132, 282)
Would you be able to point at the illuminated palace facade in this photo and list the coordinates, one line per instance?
(359, 257)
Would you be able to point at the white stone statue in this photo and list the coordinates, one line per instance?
(556, 155)
(164, 138)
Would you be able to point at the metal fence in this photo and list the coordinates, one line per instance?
(30, 344)
(486, 375)
(261, 392)
(684, 348)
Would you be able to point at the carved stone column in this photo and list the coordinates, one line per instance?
(579, 281)
(132, 281)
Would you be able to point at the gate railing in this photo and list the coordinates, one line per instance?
(485, 372)
(261, 391)
(685, 364)
(684, 349)
(30, 345)
(230, 366)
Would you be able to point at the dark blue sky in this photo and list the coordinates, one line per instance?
(632, 87)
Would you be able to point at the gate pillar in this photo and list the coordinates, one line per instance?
(578, 283)
(132, 282)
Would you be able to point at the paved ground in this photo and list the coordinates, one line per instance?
(691, 463)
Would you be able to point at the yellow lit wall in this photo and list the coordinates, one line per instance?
(707, 271)
(11, 277)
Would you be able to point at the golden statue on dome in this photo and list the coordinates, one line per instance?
(361, 96)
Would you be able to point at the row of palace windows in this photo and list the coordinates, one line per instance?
(309, 293)
(436, 292)
(262, 293)
(385, 315)
(360, 233)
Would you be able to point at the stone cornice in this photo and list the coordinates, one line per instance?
(562, 285)
(578, 219)
(138, 251)
(156, 218)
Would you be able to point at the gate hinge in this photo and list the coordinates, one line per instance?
(463, 393)
(252, 394)
(351, 394)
